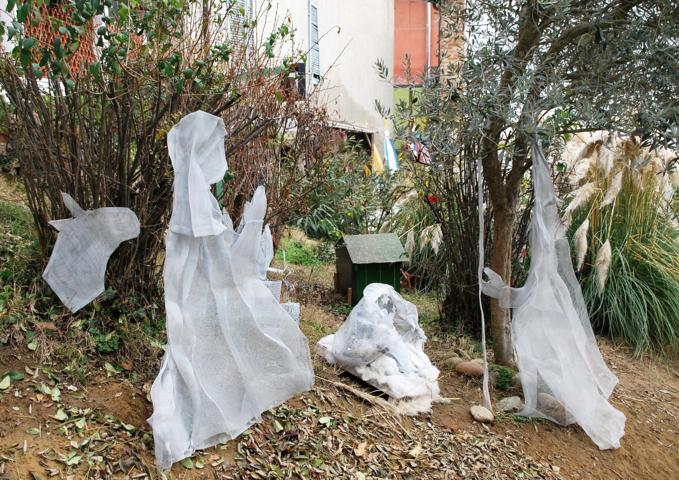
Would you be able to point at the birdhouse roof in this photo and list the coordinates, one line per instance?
(375, 248)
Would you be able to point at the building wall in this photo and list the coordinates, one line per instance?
(366, 34)
(354, 34)
(410, 39)
(452, 46)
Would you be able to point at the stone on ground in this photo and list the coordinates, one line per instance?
(551, 407)
(470, 369)
(516, 380)
(452, 362)
(481, 414)
(509, 405)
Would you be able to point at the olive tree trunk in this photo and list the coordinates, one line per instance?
(501, 263)
(503, 192)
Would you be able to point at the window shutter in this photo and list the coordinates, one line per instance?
(241, 13)
(314, 52)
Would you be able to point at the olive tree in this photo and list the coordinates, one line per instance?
(547, 67)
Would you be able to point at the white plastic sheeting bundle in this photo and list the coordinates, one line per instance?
(563, 374)
(382, 343)
(233, 351)
(77, 266)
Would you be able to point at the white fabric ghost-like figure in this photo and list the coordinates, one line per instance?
(382, 343)
(233, 351)
(77, 266)
(563, 374)
(266, 253)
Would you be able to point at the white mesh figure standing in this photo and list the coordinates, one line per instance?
(232, 351)
(563, 374)
(77, 266)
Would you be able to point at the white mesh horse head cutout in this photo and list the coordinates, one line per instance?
(77, 266)
(563, 374)
(233, 351)
(382, 343)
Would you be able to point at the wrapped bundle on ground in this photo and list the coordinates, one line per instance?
(382, 343)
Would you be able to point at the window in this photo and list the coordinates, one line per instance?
(301, 83)
(314, 52)
(295, 83)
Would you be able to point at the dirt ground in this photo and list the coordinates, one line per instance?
(53, 426)
(648, 395)
(37, 442)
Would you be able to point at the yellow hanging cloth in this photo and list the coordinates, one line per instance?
(377, 162)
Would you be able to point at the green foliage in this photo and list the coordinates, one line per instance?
(428, 306)
(159, 23)
(320, 221)
(437, 219)
(505, 376)
(105, 343)
(640, 303)
(19, 254)
(343, 309)
(326, 252)
(413, 220)
(526, 68)
(127, 326)
(103, 124)
(298, 253)
(349, 201)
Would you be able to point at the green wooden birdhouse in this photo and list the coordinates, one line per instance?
(365, 259)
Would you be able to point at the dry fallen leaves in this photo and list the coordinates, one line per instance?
(361, 450)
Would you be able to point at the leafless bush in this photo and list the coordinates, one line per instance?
(98, 130)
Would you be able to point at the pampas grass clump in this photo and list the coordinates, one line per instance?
(625, 241)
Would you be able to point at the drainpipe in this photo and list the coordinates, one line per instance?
(428, 36)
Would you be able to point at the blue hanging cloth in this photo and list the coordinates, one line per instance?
(390, 154)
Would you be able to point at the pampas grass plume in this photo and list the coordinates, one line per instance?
(602, 264)
(436, 238)
(580, 197)
(410, 243)
(613, 190)
(581, 243)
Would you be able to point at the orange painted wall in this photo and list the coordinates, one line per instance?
(45, 32)
(410, 37)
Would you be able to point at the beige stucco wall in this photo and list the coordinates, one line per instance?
(353, 35)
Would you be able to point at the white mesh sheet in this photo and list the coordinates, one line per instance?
(563, 374)
(382, 343)
(293, 309)
(274, 287)
(77, 266)
(266, 253)
(233, 351)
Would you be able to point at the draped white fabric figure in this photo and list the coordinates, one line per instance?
(266, 253)
(233, 351)
(382, 343)
(563, 374)
(77, 266)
